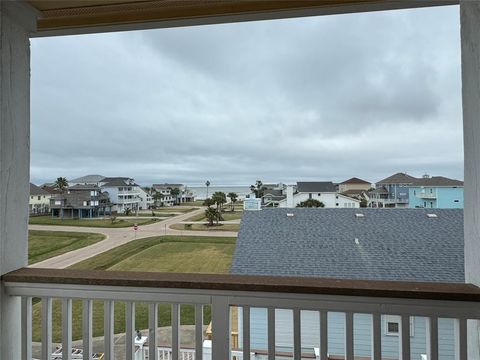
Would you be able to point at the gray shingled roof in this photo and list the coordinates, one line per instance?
(35, 190)
(316, 186)
(437, 181)
(398, 178)
(393, 244)
(88, 179)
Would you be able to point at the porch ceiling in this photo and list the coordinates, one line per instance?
(77, 16)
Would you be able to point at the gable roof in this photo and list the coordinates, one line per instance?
(88, 179)
(355, 180)
(398, 178)
(437, 181)
(393, 244)
(35, 190)
(315, 186)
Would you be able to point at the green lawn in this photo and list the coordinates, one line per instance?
(205, 227)
(227, 215)
(163, 253)
(46, 244)
(100, 223)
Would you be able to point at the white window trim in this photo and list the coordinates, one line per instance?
(397, 319)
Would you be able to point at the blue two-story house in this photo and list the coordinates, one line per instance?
(436, 192)
(392, 191)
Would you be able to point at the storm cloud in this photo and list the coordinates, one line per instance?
(319, 98)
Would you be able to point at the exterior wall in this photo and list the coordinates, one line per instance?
(145, 200)
(470, 35)
(41, 205)
(310, 330)
(398, 195)
(330, 200)
(445, 197)
(15, 23)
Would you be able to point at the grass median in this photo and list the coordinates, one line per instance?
(98, 223)
(43, 245)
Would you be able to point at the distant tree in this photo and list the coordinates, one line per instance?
(233, 198)
(157, 197)
(128, 211)
(219, 198)
(311, 203)
(113, 218)
(258, 189)
(211, 214)
(61, 184)
(208, 202)
(175, 193)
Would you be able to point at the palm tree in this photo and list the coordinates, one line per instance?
(207, 184)
(61, 184)
(233, 198)
(257, 189)
(211, 214)
(175, 192)
(219, 198)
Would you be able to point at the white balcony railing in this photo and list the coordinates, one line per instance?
(221, 292)
(426, 195)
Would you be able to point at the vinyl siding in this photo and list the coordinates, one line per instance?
(310, 329)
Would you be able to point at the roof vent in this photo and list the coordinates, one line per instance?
(357, 241)
(359, 215)
(432, 215)
(289, 214)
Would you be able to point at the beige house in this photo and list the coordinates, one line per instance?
(354, 184)
(39, 202)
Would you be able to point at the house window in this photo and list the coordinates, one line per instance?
(414, 192)
(392, 325)
(39, 198)
(57, 202)
(336, 204)
(455, 200)
(319, 194)
(310, 195)
(84, 203)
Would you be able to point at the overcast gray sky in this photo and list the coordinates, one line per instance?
(321, 98)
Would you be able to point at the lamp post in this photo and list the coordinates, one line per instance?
(207, 184)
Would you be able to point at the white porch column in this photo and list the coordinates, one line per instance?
(470, 34)
(15, 22)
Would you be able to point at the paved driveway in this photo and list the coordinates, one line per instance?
(119, 236)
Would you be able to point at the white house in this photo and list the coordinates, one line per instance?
(39, 200)
(145, 199)
(323, 191)
(165, 190)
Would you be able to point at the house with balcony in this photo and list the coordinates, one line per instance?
(80, 201)
(392, 191)
(166, 199)
(437, 192)
(433, 301)
(124, 193)
(405, 245)
(39, 202)
(324, 191)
